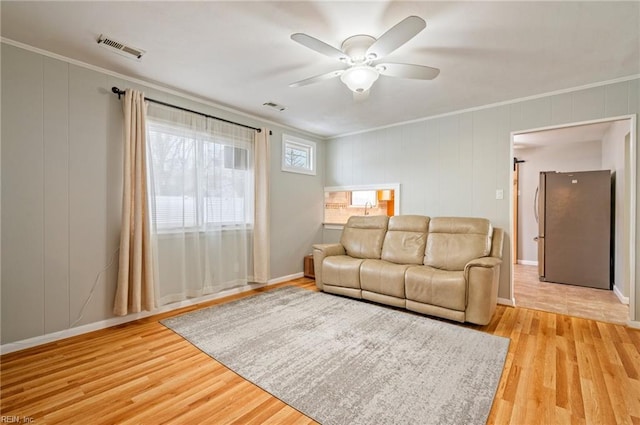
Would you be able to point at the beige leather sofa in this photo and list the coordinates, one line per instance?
(445, 266)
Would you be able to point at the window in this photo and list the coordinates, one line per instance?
(198, 178)
(298, 155)
(342, 202)
(363, 198)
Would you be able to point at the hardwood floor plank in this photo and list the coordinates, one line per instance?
(261, 413)
(630, 359)
(561, 379)
(602, 409)
(249, 399)
(559, 369)
(501, 412)
(576, 395)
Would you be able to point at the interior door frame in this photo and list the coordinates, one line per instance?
(630, 268)
(515, 195)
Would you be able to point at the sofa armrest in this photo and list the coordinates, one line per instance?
(482, 276)
(487, 262)
(320, 252)
(329, 249)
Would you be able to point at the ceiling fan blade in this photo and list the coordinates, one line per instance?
(317, 78)
(399, 34)
(319, 46)
(405, 70)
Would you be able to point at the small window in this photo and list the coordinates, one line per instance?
(298, 155)
(362, 198)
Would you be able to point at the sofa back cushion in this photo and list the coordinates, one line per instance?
(454, 241)
(362, 236)
(406, 239)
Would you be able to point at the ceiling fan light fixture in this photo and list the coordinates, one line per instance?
(360, 51)
(359, 78)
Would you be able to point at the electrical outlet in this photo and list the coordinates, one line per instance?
(499, 194)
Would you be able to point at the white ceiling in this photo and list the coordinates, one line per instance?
(239, 54)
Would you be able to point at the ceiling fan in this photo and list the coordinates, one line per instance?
(361, 53)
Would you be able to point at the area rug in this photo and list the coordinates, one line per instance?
(344, 361)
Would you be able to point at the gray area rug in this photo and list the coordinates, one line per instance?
(343, 361)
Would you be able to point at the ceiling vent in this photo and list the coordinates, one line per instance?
(275, 106)
(120, 48)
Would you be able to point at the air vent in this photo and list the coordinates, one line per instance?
(120, 48)
(275, 106)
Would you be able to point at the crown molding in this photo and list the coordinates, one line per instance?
(493, 105)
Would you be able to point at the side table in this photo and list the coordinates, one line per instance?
(309, 271)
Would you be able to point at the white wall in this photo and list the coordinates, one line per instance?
(613, 158)
(452, 165)
(586, 156)
(61, 193)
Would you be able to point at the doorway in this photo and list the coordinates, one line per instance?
(595, 145)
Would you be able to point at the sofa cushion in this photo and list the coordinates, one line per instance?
(342, 270)
(362, 236)
(383, 277)
(454, 241)
(405, 240)
(437, 287)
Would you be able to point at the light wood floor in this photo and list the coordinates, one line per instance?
(589, 303)
(559, 369)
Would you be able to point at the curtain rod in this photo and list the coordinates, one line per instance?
(121, 93)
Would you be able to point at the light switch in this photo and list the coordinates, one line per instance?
(499, 194)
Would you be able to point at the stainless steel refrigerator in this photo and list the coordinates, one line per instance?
(574, 228)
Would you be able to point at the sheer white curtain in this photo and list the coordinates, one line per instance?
(202, 203)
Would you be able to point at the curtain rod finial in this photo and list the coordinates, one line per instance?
(117, 91)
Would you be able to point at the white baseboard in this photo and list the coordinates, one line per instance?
(528, 262)
(622, 298)
(633, 324)
(511, 302)
(285, 278)
(103, 324)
